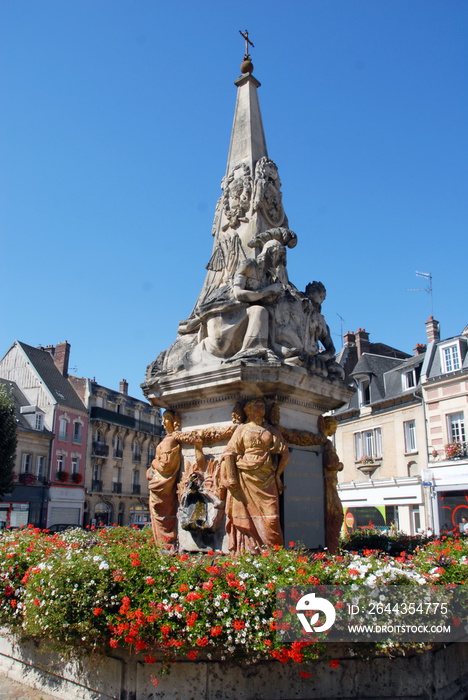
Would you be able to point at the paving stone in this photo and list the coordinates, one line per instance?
(12, 690)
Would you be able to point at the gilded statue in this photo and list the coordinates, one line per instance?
(331, 466)
(254, 460)
(162, 484)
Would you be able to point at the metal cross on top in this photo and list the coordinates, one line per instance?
(247, 42)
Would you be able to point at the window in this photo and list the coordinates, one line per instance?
(364, 392)
(410, 379)
(450, 358)
(63, 429)
(136, 451)
(96, 472)
(60, 463)
(118, 452)
(410, 435)
(26, 463)
(368, 444)
(40, 467)
(39, 421)
(77, 432)
(150, 454)
(75, 465)
(456, 427)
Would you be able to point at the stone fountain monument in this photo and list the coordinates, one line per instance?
(246, 382)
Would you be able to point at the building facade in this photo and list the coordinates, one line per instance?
(402, 437)
(52, 405)
(445, 391)
(381, 437)
(27, 503)
(123, 435)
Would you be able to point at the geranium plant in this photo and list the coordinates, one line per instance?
(111, 589)
(453, 450)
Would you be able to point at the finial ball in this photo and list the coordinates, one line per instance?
(247, 67)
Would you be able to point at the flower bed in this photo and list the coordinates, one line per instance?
(112, 588)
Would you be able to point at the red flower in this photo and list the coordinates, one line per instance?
(149, 580)
(302, 571)
(154, 680)
(192, 654)
(140, 645)
(305, 674)
(292, 544)
(97, 611)
(238, 625)
(278, 614)
(114, 643)
(215, 631)
(165, 629)
(183, 587)
(191, 619)
(36, 601)
(136, 562)
(314, 581)
(202, 641)
(334, 663)
(149, 659)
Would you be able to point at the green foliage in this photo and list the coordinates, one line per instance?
(370, 539)
(96, 591)
(8, 440)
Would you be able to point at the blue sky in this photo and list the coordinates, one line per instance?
(115, 119)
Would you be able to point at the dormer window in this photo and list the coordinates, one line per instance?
(39, 422)
(450, 357)
(410, 379)
(364, 392)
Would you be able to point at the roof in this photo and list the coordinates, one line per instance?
(19, 400)
(56, 383)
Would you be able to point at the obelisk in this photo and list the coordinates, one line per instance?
(251, 334)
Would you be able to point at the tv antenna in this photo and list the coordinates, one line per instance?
(427, 276)
(341, 327)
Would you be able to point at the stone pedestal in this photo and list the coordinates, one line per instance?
(205, 401)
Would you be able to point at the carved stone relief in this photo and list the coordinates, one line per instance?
(267, 197)
(237, 196)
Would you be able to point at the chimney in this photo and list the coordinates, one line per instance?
(349, 339)
(419, 349)
(123, 386)
(61, 357)
(432, 330)
(362, 341)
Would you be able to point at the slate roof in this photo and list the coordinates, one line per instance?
(375, 366)
(58, 385)
(394, 381)
(435, 367)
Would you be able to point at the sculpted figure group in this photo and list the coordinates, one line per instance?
(248, 309)
(245, 484)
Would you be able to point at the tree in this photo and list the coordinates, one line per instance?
(8, 440)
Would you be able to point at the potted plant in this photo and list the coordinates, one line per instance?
(76, 478)
(26, 478)
(62, 476)
(454, 450)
